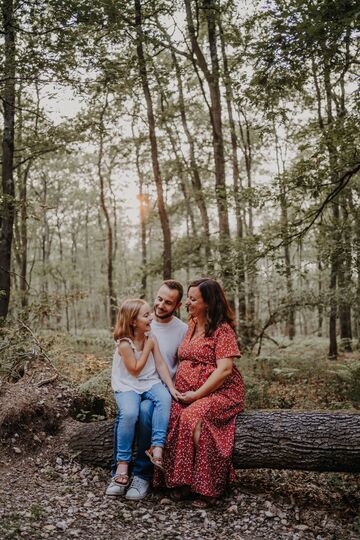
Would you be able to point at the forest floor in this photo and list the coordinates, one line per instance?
(45, 493)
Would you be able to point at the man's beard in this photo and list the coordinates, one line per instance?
(166, 315)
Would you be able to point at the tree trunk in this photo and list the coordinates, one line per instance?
(195, 175)
(144, 212)
(8, 189)
(356, 216)
(110, 234)
(164, 219)
(345, 282)
(320, 306)
(20, 224)
(334, 269)
(212, 79)
(237, 186)
(273, 440)
(45, 249)
(250, 264)
(176, 145)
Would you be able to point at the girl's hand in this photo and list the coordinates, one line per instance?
(153, 337)
(188, 397)
(149, 344)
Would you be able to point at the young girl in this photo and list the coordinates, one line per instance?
(136, 368)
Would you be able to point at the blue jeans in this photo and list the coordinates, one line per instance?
(129, 405)
(142, 464)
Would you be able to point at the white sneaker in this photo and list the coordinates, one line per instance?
(115, 489)
(138, 489)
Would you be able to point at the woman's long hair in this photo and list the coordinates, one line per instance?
(219, 310)
(126, 316)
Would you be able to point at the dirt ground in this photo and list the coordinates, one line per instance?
(46, 493)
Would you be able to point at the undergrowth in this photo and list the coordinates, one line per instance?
(296, 375)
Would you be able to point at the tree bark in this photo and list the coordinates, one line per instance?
(290, 316)
(236, 184)
(334, 269)
(345, 281)
(212, 78)
(144, 211)
(274, 440)
(250, 264)
(164, 219)
(8, 188)
(109, 227)
(195, 175)
(176, 145)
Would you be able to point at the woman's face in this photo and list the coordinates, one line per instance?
(195, 303)
(143, 320)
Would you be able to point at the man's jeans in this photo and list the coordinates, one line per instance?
(151, 410)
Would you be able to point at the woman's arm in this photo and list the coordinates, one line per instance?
(216, 379)
(163, 370)
(132, 364)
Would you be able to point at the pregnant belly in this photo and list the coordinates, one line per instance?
(191, 375)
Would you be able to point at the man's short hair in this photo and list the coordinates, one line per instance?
(172, 284)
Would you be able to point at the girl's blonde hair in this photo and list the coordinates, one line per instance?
(127, 314)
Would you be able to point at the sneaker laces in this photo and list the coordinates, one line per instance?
(138, 482)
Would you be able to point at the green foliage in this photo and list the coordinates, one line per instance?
(36, 511)
(89, 416)
(300, 376)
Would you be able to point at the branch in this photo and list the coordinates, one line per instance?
(341, 184)
(15, 274)
(313, 216)
(43, 351)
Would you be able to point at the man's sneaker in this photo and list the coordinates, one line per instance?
(115, 489)
(138, 489)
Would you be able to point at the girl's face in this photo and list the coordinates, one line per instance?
(143, 320)
(195, 303)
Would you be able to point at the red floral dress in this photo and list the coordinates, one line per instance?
(207, 470)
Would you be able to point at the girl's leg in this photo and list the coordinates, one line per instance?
(128, 404)
(142, 466)
(113, 462)
(161, 398)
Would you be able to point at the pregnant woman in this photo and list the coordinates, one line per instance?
(201, 430)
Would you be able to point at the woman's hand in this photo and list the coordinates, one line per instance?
(175, 393)
(188, 397)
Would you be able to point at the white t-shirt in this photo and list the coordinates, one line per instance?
(123, 381)
(169, 336)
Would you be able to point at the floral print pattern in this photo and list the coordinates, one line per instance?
(208, 469)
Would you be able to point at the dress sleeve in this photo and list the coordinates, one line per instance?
(225, 342)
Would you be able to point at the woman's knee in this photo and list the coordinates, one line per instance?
(189, 418)
(197, 432)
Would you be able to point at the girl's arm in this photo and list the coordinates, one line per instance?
(163, 369)
(216, 379)
(132, 364)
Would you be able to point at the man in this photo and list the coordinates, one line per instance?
(169, 332)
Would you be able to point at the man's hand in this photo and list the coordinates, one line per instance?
(175, 393)
(188, 397)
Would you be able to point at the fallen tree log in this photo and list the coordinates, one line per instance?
(307, 441)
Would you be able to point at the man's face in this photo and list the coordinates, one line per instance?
(166, 302)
